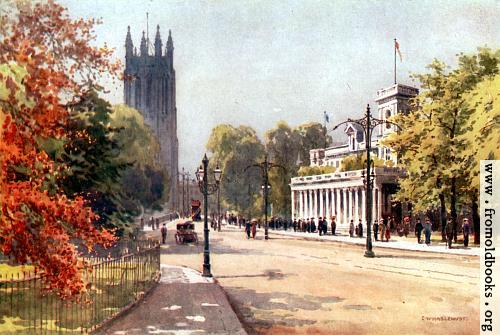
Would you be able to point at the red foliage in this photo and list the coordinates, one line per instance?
(37, 225)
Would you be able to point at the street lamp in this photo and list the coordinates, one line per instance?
(265, 166)
(368, 123)
(218, 176)
(206, 189)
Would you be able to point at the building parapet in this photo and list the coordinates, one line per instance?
(345, 175)
(394, 90)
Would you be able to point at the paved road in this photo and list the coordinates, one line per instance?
(294, 286)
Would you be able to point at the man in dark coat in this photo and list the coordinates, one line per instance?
(360, 228)
(313, 226)
(375, 230)
(351, 228)
(418, 231)
(320, 226)
(334, 225)
(163, 234)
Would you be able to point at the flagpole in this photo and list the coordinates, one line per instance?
(395, 61)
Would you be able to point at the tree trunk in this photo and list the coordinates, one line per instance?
(442, 216)
(453, 208)
(475, 220)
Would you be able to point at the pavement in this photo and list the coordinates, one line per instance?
(396, 242)
(184, 302)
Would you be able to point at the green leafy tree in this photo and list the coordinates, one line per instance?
(358, 162)
(315, 170)
(312, 136)
(144, 182)
(92, 156)
(283, 145)
(235, 148)
(436, 134)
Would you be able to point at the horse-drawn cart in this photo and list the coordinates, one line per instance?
(185, 233)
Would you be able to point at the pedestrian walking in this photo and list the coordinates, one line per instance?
(375, 230)
(388, 230)
(406, 226)
(427, 231)
(313, 226)
(334, 225)
(248, 228)
(466, 231)
(360, 228)
(449, 232)
(295, 225)
(320, 226)
(152, 223)
(308, 225)
(351, 228)
(418, 231)
(382, 227)
(163, 231)
(325, 226)
(254, 228)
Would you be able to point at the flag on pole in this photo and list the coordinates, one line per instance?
(396, 45)
(327, 117)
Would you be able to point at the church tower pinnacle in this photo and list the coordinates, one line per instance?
(158, 43)
(144, 45)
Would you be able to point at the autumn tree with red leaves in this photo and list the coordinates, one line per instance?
(47, 63)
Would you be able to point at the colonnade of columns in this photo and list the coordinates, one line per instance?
(345, 203)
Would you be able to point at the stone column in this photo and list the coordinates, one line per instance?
(293, 204)
(308, 203)
(379, 204)
(337, 205)
(327, 204)
(321, 193)
(344, 207)
(313, 211)
(349, 201)
(363, 204)
(356, 205)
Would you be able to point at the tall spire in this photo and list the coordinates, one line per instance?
(170, 51)
(158, 43)
(170, 43)
(144, 45)
(129, 46)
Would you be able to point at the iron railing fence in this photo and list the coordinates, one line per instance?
(28, 307)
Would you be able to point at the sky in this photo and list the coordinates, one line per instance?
(258, 62)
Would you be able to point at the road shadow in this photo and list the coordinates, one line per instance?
(416, 257)
(265, 310)
(271, 274)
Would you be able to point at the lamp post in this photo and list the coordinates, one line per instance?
(218, 196)
(206, 189)
(264, 167)
(368, 123)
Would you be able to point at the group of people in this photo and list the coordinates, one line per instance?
(152, 222)
(450, 231)
(309, 226)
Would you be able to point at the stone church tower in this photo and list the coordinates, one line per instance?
(150, 88)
